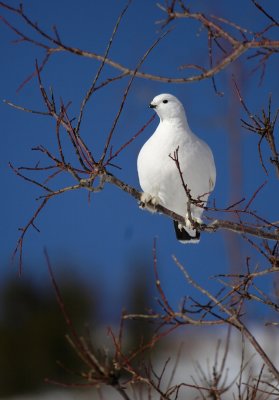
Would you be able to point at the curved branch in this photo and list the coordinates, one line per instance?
(234, 319)
(238, 47)
(217, 224)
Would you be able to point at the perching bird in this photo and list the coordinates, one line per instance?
(159, 174)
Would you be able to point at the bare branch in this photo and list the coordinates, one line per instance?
(92, 87)
(115, 122)
(238, 46)
(233, 320)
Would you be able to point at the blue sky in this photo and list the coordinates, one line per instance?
(110, 238)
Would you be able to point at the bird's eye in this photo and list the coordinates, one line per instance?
(165, 101)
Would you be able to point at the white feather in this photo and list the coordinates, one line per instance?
(158, 174)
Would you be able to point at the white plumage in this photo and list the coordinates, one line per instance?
(158, 173)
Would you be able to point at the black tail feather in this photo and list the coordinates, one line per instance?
(183, 236)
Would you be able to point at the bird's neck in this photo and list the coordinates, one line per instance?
(178, 123)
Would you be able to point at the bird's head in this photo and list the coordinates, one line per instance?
(167, 107)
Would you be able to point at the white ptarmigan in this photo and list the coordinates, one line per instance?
(159, 175)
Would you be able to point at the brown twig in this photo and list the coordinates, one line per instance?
(105, 178)
(126, 92)
(264, 126)
(93, 85)
(121, 148)
(238, 47)
(233, 319)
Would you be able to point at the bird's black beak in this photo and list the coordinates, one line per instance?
(152, 105)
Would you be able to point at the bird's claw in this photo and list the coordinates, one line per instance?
(191, 221)
(149, 201)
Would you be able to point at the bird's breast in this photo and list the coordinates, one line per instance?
(156, 168)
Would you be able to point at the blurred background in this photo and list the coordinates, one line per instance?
(101, 251)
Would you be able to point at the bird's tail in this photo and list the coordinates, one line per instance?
(183, 236)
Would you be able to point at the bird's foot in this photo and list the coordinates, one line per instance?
(148, 201)
(191, 221)
(181, 227)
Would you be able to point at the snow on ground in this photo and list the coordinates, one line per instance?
(198, 353)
